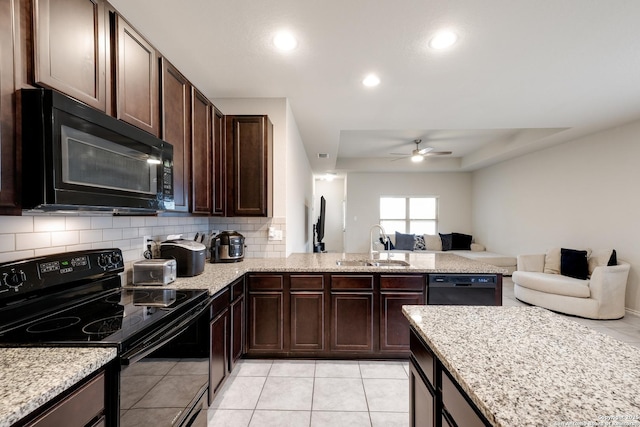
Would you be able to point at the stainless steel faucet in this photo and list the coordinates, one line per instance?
(384, 240)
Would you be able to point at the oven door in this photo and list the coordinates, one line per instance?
(164, 379)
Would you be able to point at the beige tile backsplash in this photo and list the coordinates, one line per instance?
(34, 235)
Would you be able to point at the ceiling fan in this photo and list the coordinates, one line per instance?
(418, 154)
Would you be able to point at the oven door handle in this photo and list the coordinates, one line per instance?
(159, 339)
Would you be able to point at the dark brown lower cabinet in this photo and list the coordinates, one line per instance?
(352, 313)
(422, 400)
(85, 406)
(266, 313)
(394, 326)
(218, 359)
(237, 312)
(435, 395)
(307, 321)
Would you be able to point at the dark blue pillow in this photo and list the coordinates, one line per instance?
(405, 242)
(447, 241)
(461, 241)
(613, 260)
(574, 263)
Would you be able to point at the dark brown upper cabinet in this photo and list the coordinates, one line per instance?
(249, 171)
(219, 166)
(201, 153)
(136, 77)
(9, 156)
(70, 49)
(175, 102)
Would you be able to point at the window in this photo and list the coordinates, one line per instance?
(413, 215)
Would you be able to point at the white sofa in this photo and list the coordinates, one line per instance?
(476, 252)
(600, 296)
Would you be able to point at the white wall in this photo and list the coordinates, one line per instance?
(299, 191)
(334, 194)
(581, 194)
(365, 189)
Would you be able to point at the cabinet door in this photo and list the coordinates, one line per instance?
(219, 169)
(176, 129)
(218, 359)
(352, 321)
(10, 170)
(249, 142)
(421, 401)
(307, 321)
(266, 321)
(136, 79)
(201, 157)
(394, 326)
(237, 331)
(69, 46)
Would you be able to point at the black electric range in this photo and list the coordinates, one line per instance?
(76, 299)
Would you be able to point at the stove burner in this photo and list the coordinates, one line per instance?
(54, 324)
(180, 296)
(105, 326)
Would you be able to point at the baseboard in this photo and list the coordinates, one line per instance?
(634, 312)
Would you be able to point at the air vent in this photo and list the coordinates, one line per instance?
(323, 155)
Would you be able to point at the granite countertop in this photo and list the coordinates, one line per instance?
(526, 366)
(216, 276)
(30, 377)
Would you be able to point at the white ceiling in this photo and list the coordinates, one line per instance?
(524, 74)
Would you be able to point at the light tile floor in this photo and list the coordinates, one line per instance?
(327, 393)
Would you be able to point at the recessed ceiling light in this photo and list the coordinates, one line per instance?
(285, 41)
(443, 39)
(371, 80)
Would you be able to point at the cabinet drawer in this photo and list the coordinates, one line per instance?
(457, 406)
(307, 283)
(77, 409)
(219, 303)
(344, 283)
(262, 283)
(424, 357)
(410, 283)
(237, 289)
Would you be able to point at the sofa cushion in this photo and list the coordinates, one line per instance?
(552, 283)
(602, 257)
(461, 241)
(432, 242)
(447, 240)
(405, 242)
(552, 261)
(573, 263)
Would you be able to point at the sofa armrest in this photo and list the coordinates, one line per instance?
(608, 285)
(531, 262)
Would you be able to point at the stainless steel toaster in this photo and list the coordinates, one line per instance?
(154, 272)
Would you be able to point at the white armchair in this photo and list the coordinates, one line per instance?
(601, 296)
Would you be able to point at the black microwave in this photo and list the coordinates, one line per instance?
(77, 158)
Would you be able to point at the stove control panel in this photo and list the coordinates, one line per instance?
(29, 275)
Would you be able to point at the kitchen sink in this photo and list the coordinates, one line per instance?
(372, 263)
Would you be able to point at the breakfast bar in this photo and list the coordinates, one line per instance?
(518, 366)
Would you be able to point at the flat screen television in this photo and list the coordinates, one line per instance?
(319, 227)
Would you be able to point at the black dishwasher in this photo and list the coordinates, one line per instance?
(464, 289)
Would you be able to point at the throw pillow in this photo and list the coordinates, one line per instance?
(419, 244)
(613, 260)
(574, 263)
(405, 242)
(601, 258)
(388, 245)
(552, 261)
(433, 242)
(461, 241)
(446, 241)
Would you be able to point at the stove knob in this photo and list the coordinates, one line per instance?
(103, 261)
(14, 279)
(116, 259)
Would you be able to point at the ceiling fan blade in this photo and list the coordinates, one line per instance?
(400, 158)
(425, 150)
(437, 153)
(398, 154)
